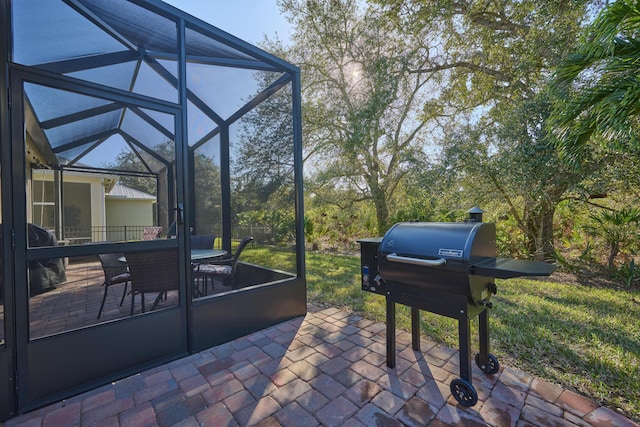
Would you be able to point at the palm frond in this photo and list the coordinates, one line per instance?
(599, 85)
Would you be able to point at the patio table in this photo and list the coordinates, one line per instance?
(206, 254)
(196, 255)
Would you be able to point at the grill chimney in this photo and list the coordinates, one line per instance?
(475, 214)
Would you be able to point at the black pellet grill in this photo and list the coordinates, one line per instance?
(444, 268)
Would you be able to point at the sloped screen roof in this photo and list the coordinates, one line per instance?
(133, 46)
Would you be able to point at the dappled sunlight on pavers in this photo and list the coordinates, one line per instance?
(328, 369)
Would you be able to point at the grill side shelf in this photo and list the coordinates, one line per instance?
(506, 268)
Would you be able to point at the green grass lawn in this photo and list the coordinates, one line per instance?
(581, 337)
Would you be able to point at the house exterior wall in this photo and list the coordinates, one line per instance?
(96, 203)
(120, 212)
(102, 216)
(97, 194)
(98, 217)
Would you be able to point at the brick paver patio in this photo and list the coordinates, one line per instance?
(326, 369)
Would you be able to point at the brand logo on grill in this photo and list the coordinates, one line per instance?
(453, 253)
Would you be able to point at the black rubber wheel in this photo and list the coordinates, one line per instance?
(493, 365)
(464, 392)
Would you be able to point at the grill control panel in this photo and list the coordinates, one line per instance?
(371, 279)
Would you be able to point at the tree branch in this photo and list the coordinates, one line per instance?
(473, 67)
(497, 23)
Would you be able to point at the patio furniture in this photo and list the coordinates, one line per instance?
(44, 274)
(207, 255)
(151, 233)
(115, 273)
(201, 242)
(224, 269)
(153, 272)
(171, 231)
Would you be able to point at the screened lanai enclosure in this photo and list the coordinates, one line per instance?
(151, 179)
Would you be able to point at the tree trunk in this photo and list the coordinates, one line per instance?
(613, 253)
(547, 251)
(531, 221)
(539, 232)
(382, 211)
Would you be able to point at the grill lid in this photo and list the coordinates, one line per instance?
(438, 243)
(408, 249)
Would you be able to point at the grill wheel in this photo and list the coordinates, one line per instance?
(493, 365)
(464, 392)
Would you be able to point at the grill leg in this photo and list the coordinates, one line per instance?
(483, 330)
(415, 328)
(464, 336)
(391, 333)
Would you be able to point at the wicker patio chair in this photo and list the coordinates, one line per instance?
(224, 269)
(153, 272)
(115, 273)
(201, 242)
(151, 233)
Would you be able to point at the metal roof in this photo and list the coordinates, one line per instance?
(121, 191)
(134, 47)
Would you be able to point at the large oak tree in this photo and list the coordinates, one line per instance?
(363, 95)
(496, 59)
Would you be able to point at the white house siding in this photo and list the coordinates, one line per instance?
(96, 206)
(98, 217)
(126, 212)
(104, 215)
(93, 207)
(125, 206)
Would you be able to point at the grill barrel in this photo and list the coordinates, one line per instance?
(437, 256)
(447, 269)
